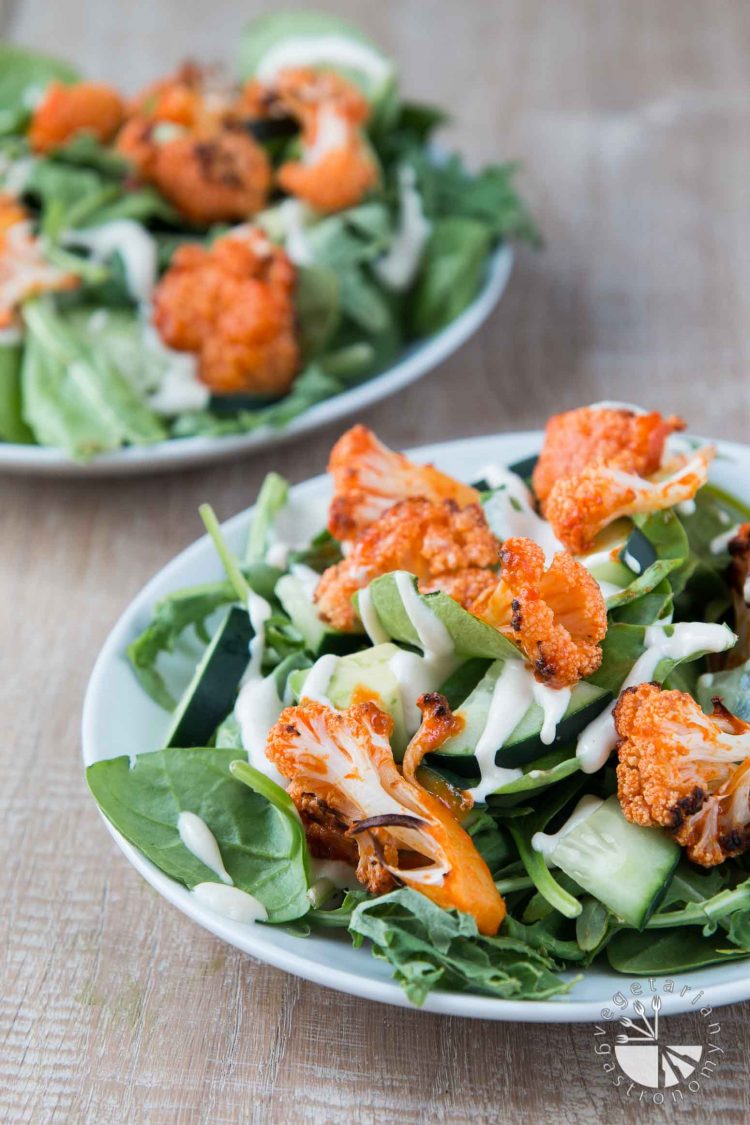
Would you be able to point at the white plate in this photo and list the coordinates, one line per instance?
(120, 719)
(183, 453)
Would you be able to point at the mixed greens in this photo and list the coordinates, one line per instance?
(578, 873)
(106, 335)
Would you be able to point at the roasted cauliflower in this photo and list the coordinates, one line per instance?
(24, 270)
(685, 771)
(336, 168)
(233, 306)
(597, 435)
(66, 111)
(556, 616)
(579, 506)
(368, 479)
(347, 786)
(445, 546)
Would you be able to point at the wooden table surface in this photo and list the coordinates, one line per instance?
(632, 119)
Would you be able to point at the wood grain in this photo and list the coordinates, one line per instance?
(633, 121)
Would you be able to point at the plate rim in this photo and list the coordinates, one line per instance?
(257, 941)
(184, 453)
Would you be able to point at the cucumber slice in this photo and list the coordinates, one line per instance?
(626, 867)
(210, 695)
(361, 676)
(284, 40)
(294, 596)
(524, 744)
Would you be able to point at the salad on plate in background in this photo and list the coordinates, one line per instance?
(216, 254)
(498, 729)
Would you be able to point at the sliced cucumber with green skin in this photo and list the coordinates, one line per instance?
(360, 676)
(524, 744)
(317, 636)
(284, 40)
(210, 695)
(626, 867)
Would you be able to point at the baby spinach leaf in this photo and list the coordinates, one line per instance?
(172, 616)
(732, 687)
(316, 301)
(261, 849)
(429, 947)
(12, 426)
(668, 951)
(450, 274)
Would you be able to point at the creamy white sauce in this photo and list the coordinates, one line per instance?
(686, 507)
(721, 542)
(14, 174)
(509, 512)
(277, 554)
(201, 842)
(294, 216)
(597, 741)
(398, 266)
(323, 50)
(307, 577)
(332, 133)
(545, 843)
(257, 708)
(230, 902)
(135, 246)
(341, 875)
(368, 615)
(515, 691)
(180, 391)
(259, 611)
(631, 562)
(318, 679)
(98, 320)
(417, 674)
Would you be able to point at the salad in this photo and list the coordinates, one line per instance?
(497, 729)
(218, 254)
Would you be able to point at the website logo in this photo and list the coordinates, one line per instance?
(646, 1057)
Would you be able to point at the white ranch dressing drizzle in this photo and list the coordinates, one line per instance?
(545, 843)
(308, 578)
(230, 902)
(318, 679)
(323, 50)
(257, 708)
(201, 842)
(597, 741)
(686, 507)
(332, 133)
(259, 611)
(335, 871)
(180, 391)
(296, 243)
(277, 554)
(516, 689)
(136, 247)
(368, 615)
(510, 511)
(418, 674)
(631, 561)
(398, 266)
(721, 542)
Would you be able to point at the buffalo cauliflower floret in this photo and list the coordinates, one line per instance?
(578, 507)
(66, 111)
(221, 176)
(437, 542)
(195, 97)
(368, 479)
(597, 435)
(232, 304)
(341, 766)
(556, 616)
(24, 270)
(684, 771)
(336, 168)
